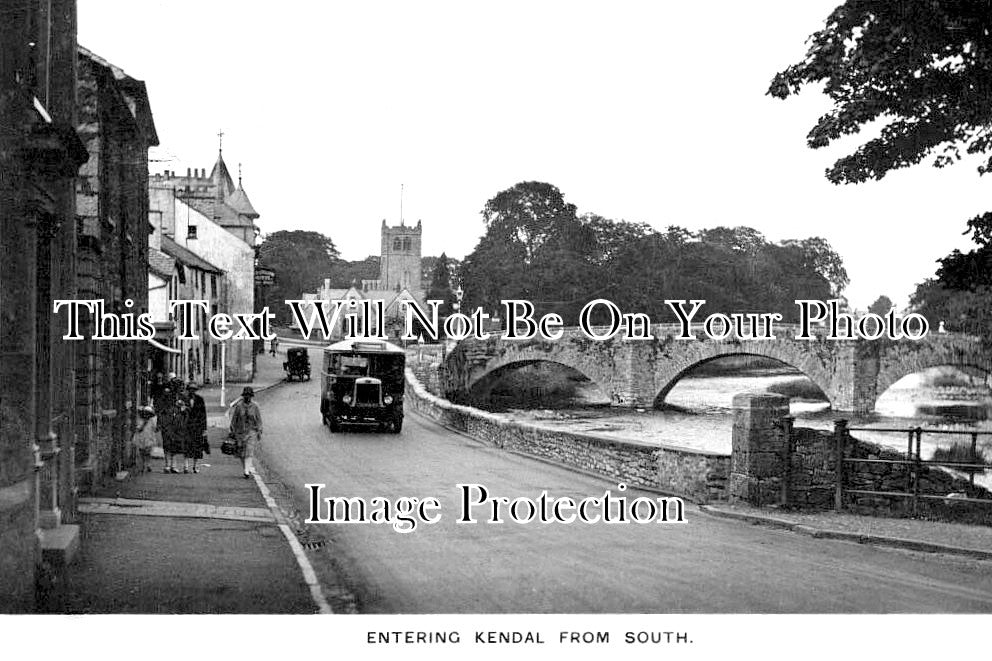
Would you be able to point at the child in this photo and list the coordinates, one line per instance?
(146, 437)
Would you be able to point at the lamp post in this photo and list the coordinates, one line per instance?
(223, 372)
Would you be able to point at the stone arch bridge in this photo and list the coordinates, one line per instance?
(637, 373)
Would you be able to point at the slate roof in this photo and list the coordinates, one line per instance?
(161, 264)
(239, 202)
(221, 176)
(187, 256)
(219, 212)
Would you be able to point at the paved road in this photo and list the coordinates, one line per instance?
(706, 566)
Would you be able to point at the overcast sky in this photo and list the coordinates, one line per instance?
(643, 111)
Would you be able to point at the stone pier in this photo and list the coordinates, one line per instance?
(760, 448)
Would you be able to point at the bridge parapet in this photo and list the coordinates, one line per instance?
(639, 373)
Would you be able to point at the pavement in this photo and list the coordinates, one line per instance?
(206, 542)
(972, 541)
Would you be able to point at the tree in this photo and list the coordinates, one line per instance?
(961, 294)
(440, 285)
(300, 260)
(492, 272)
(820, 257)
(612, 237)
(525, 214)
(881, 306)
(535, 248)
(923, 68)
(345, 273)
(973, 269)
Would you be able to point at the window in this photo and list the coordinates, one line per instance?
(191, 232)
(396, 243)
(354, 366)
(406, 244)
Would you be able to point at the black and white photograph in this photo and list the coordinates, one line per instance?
(661, 329)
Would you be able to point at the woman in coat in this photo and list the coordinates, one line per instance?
(246, 427)
(196, 428)
(171, 423)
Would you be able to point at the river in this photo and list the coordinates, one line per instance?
(698, 411)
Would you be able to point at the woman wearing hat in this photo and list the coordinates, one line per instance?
(172, 423)
(246, 427)
(196, 428)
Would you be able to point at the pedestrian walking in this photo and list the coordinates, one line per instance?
(196, 427)
(171, 423)
(246, 427)
(145, 437)
(274, 346)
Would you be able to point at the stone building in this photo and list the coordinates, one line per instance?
(213, 220)
(399, 282)
(39, 156)
(115, 124)
(65, 405)
(399, 261)
(193, 278)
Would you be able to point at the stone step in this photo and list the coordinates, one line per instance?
(59, 545)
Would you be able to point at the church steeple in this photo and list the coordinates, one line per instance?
(238, 200)
(221, 177)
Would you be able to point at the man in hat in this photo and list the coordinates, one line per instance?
(246, 427)
(196, 427)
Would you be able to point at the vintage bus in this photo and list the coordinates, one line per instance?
(362, 383)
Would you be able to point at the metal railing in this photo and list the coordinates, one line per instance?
(914, 462)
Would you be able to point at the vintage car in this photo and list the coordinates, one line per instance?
(297, 364)
(362, 383)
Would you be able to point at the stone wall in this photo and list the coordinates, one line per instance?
(697, 476)
(426, 371)
(111, 263)
(776, 464)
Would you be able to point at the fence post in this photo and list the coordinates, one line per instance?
(840, 432)
(787, 450)
(974, 457)
(916, 472)
(909, 457)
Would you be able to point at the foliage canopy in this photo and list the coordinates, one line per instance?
(924, 68)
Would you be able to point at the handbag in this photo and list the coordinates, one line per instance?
(228, 446)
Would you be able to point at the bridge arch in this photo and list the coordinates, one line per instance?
(602, 376)
(890, 377)
(961, 352)
(670, 372)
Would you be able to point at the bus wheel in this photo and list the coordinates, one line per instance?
(397, 426)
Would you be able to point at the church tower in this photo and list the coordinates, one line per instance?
(399, 262)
